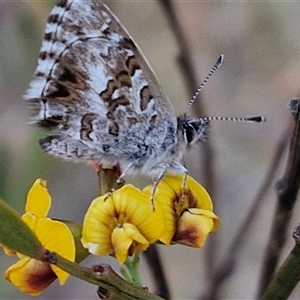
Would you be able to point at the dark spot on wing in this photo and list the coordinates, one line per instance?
(43, 55)
(107, 31)
(105, 147)
(132, 120)
(110, 88)
(67, 75)
(61, 91)
(62, 3)
(123, 79)
(48, 36)
(113, 129)
(145, 96)
(114, 103)
(128, 43)
(39, 74)
(153, 120)
(50, 123)
(110, 115)
(87, 126)
(53, 18)
(132, 65)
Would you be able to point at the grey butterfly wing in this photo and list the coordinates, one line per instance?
(94, 89)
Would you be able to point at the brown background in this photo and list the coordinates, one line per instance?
(261, 73)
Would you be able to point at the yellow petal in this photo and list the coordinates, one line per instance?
(194, 226)
(164, 198)
(195, 195)
(30, 276)
(127, 240)
(127, 205)
(198, 195)
(176, 194)
(30, 220)
(98, 225)
(38, 199)
(136, 208)
(55, 236)
(211, 215)
(8, 251)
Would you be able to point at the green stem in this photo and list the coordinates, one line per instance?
(132, 266)
(125, 274)
(103, 276)
(287, 276)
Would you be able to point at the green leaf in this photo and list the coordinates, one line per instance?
(15, 234)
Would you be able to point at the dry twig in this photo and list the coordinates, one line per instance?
(225, 269)
(287, 190)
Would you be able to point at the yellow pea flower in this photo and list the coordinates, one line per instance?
(187, 208)
(31, 275)
(122, 223)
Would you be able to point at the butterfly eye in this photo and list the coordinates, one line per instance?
(189, 133)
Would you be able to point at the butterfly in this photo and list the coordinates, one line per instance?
(95, 91)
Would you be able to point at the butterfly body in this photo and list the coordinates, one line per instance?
(96, 92)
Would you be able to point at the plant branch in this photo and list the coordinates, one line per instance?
(287, 190)
(107, 180)
(112, 286)
(227, 265)
(156, 268)
(288, 275)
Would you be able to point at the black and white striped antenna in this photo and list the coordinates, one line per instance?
(217, 65)
(255, 119)
(204, 82)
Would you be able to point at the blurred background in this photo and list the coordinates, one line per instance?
(260, 74)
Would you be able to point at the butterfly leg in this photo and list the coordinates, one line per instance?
(173, 168)
(183, 187)
(161, 175)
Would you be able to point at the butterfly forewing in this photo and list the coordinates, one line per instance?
(94, 88)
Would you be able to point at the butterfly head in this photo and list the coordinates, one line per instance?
(193, 130)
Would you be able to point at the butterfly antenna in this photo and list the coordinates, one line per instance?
(256, 119)
(212, 71)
